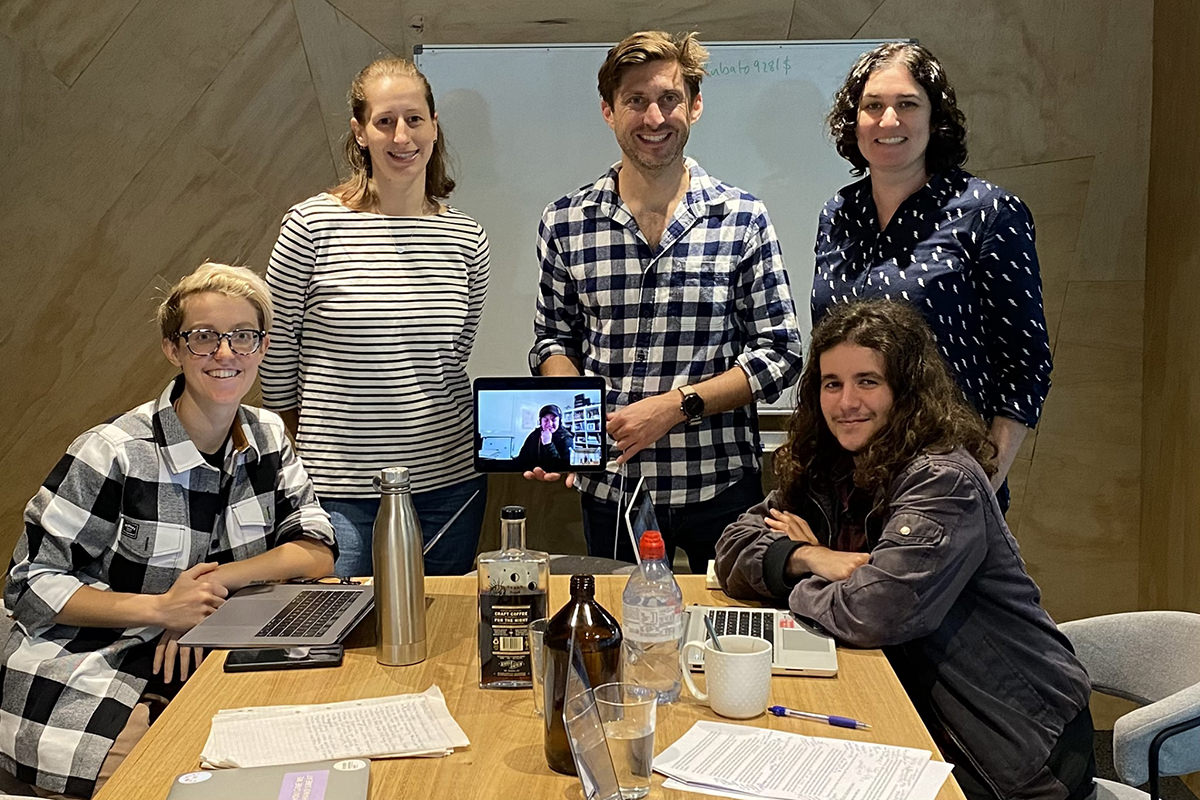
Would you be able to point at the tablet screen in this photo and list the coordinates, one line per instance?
(553, 423)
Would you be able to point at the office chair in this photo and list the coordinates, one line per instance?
(1153, 659)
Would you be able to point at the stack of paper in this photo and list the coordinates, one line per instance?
(741, 761)
(377, 727)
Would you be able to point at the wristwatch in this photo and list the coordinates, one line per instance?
(692, 405)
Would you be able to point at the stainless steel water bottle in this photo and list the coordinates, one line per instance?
(399, 573)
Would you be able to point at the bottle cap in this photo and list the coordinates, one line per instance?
(512, 512)
(651, 546)
(392, 478)
(583, 585)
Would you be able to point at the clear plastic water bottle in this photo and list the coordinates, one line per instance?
(652, 620)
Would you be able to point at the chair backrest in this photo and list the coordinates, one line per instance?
(1143, 656)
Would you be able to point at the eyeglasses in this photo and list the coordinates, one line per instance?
(203, 342)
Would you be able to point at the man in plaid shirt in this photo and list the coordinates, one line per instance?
(671, 286)
(140, 532)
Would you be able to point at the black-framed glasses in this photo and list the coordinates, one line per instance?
(205, 342)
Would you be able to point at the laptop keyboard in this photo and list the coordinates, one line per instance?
(758, 622)
(309, 614)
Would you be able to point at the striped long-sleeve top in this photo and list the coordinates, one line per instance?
(375, 317)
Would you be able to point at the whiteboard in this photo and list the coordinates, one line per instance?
(524, 128)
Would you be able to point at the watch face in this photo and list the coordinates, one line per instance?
(693, 405)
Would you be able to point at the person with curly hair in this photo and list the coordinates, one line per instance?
(884, 530)
(919, 228)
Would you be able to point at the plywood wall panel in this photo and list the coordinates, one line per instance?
(1171, 422)
(335, 49)
(813, 20)
(65, 36)
(471, 21)
(260, 117)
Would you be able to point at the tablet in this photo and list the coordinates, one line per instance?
(553, 423)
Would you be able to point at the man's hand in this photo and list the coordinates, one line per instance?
(546, 436)
(794, 526)
(168, 650)
(832, 565)
(539, 474)
(195, 594)
(638, 426)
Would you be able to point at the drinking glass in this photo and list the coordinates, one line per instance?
(627, 712)
(537, 634)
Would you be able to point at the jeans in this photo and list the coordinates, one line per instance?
(694, 527)
(454, 554)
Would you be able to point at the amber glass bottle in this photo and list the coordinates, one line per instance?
(598, 637)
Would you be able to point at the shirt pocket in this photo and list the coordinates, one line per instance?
(157, 544)
(248, 523)
(699, 292)
(912, 529)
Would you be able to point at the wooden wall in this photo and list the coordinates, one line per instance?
(1170, 546)
(138, 138)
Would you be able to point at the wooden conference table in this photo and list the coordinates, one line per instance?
(505, 758)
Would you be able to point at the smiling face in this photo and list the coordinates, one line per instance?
(855, 397)
(399, 130)
(549, 423)
(651, 114)
(893, 121)
(221, 380)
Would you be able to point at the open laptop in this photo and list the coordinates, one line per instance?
(284, 615)
(799, 649)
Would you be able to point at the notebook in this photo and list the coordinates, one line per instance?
(799, 648)
(346, 779)
(284, 615)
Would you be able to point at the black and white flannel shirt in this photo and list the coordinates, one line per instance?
(130, 506)
(712, 295)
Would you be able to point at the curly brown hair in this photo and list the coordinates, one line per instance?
(947, 147)
(928, 414)
(356, 191)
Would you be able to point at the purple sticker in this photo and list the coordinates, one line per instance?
(304, 785)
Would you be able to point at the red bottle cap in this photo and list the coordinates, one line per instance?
(651, 546)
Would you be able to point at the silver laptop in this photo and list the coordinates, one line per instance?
(284, 615)
(348, 779)
(799, 648)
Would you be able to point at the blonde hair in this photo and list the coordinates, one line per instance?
(356, 191)
(222, 279)
(646, 46)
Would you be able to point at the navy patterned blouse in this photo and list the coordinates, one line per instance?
(961, 250)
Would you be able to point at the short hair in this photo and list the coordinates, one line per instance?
(929, 412)
(356, 191)
(947, 147)
(550, 409)
(222, 279)
(644, 47)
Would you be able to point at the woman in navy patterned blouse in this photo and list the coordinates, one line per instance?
(919, 228)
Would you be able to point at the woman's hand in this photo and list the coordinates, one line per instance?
(195, 594)
(794, 526)
(168, 650)
(832, 565)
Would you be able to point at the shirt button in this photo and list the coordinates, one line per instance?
(905, 530)
(642, 355)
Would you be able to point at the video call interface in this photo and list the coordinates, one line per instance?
(555, 429)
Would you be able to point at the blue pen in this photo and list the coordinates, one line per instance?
(841, 722)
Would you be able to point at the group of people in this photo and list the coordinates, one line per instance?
(929, 363)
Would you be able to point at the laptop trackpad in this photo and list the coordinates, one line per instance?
(801, 640)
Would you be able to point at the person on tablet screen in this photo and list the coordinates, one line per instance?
(670, 285)
(141, 531)
(549, 445)
(885, 531)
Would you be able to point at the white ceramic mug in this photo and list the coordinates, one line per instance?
(738, 677)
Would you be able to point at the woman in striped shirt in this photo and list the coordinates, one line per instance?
(379, 287)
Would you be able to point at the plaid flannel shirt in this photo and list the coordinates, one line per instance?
(130, 506)
(712, 295)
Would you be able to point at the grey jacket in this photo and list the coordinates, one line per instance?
(946, 594)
